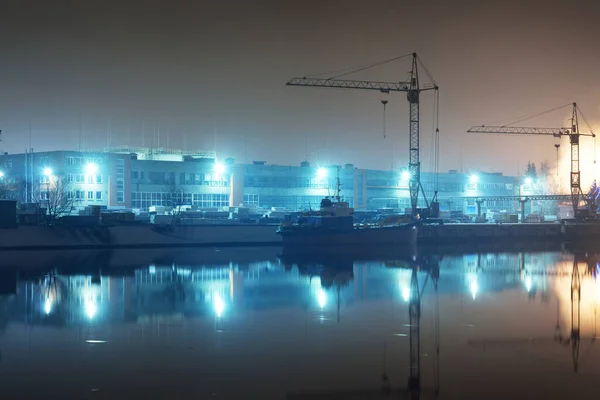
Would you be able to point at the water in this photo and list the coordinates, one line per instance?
(245, 324)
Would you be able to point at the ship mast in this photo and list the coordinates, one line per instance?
(338, 185)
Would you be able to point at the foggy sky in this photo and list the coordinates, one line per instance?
(211, 74)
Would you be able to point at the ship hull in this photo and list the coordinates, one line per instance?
(380, 236)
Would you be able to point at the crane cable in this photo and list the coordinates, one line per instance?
(358, 69)
(351, 70)
(436, 150)
(590, 128)
(537, 115)
(384, 102)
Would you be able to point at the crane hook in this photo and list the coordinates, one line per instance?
(557, 145)
(384, 102)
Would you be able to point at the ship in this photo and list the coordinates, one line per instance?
(333, 225)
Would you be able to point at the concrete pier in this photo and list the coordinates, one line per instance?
(481, 233)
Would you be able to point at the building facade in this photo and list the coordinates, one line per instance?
(142, 178)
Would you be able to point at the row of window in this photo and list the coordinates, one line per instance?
(185, 178)
(251, 199)
(145, 200)
(489, 186)
(83, 178)
(77, 161)
(120, 180)
(293, 182)
(78, 195)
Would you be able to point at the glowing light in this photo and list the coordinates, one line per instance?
(528, 283)
(152, 269)
(48, 171)
(90, 308)
(405, 175)
(1, 174)
(473, 179)
(48, 306)
(91, 168)
(473, 287)
(219, 168)
(321, 172)
(321, 298)
(528, 181)
(405, 293)
(218, 304)
(95, 341)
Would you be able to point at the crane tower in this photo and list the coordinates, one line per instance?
(413, 90)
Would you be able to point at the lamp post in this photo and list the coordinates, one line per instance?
(48, 173)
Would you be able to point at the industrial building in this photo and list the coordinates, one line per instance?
(139, 178)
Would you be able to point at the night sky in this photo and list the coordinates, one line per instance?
(211, 74)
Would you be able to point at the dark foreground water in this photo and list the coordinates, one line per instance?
(237, 326)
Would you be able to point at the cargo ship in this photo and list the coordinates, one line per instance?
(333, 225)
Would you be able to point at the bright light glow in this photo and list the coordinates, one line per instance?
(473, 179)
(405, 293)
(528, 181)
(219, 168)
(1, 174)
(152, 269)
(322, 298)
(405, 175)
(90, 308)
(95, 341)
(528, 283)
(321, 172)
(473, 287)
(91, 169)
(48, 306)
(48, 171)
(218, 304)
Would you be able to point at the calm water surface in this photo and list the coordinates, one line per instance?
(513, 325)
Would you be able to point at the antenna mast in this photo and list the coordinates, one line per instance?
(338, 184)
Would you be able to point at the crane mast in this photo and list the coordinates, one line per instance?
(413, 90)
(574, 134)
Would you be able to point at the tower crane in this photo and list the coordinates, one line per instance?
(413, 90)
(574, 134)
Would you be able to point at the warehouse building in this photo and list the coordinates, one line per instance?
(140, 178)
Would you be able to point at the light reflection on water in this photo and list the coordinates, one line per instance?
(264, 329)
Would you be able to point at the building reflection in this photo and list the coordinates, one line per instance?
(158, 291)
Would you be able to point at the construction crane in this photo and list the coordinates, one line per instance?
(413, 90)
(573, 339)
(574, 134)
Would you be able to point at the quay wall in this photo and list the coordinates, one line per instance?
(154, 236)
(135, 236)
(516, 233)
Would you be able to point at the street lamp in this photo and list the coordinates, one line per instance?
(405, 175)
(219, 168)
(91, 169)
(48, 171)
(321, 173)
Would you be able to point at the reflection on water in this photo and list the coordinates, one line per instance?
(306, 327)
